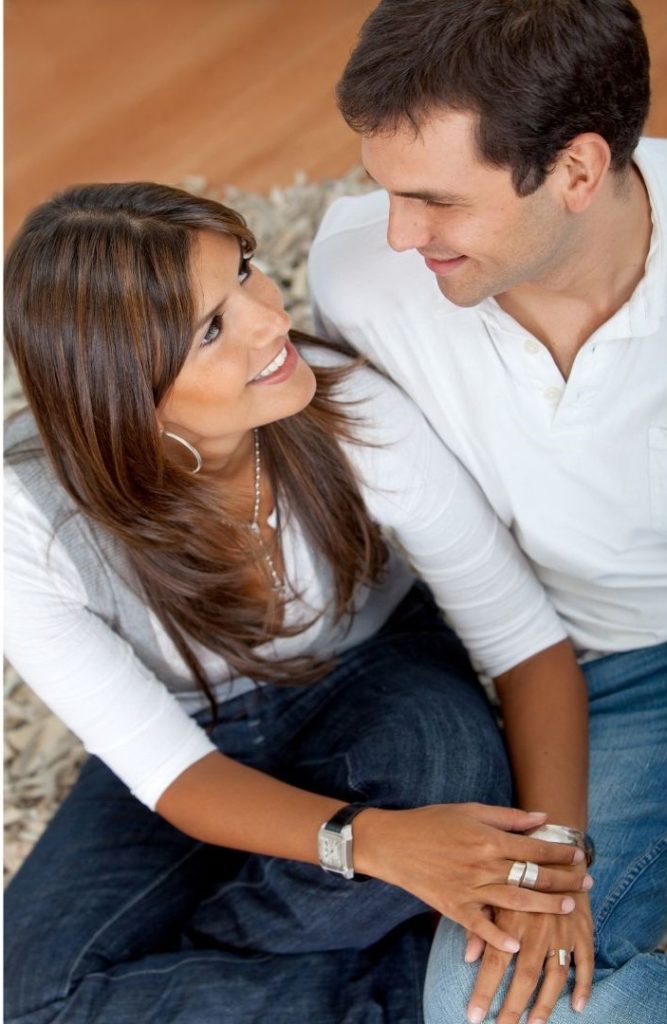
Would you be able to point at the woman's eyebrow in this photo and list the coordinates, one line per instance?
(216, 309)
(209, 316)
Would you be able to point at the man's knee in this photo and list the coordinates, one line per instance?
(449, 979)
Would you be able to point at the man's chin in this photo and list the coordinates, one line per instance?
(461, 294)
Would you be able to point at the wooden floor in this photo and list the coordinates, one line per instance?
(239, 91)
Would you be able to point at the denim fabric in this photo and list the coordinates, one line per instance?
(117, 917)
(628, 820)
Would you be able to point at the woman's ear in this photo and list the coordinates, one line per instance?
(584, 165)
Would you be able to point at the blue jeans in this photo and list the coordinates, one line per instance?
(118, 918)
(628, 820)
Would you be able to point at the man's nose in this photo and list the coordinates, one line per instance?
(408, 226)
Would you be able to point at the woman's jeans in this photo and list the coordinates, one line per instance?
(118, 918)
(628, 821)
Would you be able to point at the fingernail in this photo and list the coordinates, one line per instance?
(536, 814)
(511, 946)
(469, 956)
(587, 883)
(476, 1015)
(567, 905)
(578, 856)
(538, 1020)
(580, 1004)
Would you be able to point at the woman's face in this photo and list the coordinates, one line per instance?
(241, 370)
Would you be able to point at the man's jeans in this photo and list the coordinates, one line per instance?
(118, 918)
(628, 821)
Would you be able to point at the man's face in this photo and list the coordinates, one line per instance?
(463, 215)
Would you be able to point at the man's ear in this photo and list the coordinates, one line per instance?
(583, 166)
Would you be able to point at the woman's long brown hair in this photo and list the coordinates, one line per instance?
(99, 318)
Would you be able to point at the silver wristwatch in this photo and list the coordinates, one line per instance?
(334, 842)
(565, 834)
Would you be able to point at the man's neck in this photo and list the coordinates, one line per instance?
(594, 280)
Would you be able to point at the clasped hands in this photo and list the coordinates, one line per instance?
(456, 858)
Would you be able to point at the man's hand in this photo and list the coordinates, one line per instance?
(537, 970)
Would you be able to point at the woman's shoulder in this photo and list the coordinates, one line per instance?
(46, 535)
(31, 486)
(21, 437)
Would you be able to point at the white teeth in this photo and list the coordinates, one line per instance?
(274, 365)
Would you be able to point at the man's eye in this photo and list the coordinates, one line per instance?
(214, 330)
(245, 269)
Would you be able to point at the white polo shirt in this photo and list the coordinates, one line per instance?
(576, 469)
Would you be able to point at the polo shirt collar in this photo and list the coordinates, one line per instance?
(640, 316)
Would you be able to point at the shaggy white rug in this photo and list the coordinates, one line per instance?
(42, 757)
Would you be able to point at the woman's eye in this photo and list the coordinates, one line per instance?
(245, 269)
(214, 330)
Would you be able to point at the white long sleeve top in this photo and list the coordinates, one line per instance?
(92, 678)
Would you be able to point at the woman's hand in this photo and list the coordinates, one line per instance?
(456, 858)
(537, 968)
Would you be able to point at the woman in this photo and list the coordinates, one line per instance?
(198, 585)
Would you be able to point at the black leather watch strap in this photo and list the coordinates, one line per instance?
(344, 816)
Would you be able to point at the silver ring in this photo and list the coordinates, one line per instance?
(529, 876)
(563, 956)
(516, 872)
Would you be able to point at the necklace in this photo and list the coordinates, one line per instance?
(276, 581)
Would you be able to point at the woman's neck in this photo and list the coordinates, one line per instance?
(234, 476)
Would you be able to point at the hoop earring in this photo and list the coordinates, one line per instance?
(190, 447)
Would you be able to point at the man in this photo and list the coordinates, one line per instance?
(512, 277)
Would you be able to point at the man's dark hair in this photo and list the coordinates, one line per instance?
(536, 72)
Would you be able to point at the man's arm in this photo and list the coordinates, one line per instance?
(545, 710)
(545, 707)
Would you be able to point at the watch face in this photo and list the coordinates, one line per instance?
(331, 851)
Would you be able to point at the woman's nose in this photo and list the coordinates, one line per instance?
(268, 321)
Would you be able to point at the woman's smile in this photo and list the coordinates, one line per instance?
(280, 368)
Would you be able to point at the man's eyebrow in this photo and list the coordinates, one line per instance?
(427, 194)
(446, 198)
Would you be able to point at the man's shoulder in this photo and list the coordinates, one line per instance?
(651, 148)
(650, 157)
(350, 214)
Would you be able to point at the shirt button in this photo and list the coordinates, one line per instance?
(532, 346)
(552, 394)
